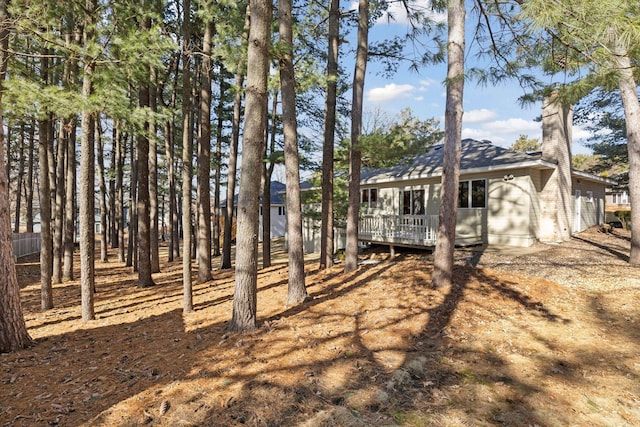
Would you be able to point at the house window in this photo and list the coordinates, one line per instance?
(413, 202)
(589, 196)
(281, 210)
(620, 198)
(369, 197)
(472, 194)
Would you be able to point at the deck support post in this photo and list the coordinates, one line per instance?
(392, 250)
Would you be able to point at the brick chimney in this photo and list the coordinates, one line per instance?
(556, 200)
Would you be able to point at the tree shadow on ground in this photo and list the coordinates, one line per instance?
(373, 347)
(620, 255)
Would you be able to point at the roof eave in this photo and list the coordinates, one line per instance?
(530, 164)
(594, 178)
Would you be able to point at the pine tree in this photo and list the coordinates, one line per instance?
(186, 159)
(445, 241)
(297, 291)
(13, 330)
(355, 160)
(245, 295)
(326, 230)
(204, 161)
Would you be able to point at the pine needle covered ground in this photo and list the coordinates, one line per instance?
(546, 337)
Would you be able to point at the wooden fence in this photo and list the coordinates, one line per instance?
(26, 244)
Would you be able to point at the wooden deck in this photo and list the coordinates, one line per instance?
(405, 230)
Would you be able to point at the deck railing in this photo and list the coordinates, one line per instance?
(406, 229)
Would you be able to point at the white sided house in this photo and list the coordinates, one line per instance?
(505, 197)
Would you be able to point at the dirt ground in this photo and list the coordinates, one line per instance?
(547, 336)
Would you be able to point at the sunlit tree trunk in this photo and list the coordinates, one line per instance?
(297, 291)
(445, 241)
(171, 232)
(204, 161)
(46, 249)
(19, 178)
(628, 91)
(70, 179)
(87, 178)
(355, 160)
(29, 191)
(120, 217)
(215, 237)
(267, 172)
(245, 295)
(58, 217)
(142, 206)
(69, 202)
(326, 228)
(102, 191)
(186, 161)
(153, 175)
(13, 330)
(233, 159)
(132, 241)
(113, 224)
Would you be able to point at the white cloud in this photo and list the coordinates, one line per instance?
(502, 132)
(397, 14)
(425, 84)
(479, 116)
(580, 134)
(390, 92)
(512, 125)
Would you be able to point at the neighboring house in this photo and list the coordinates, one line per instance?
(618, 201)
(277, 209)
(505, 197)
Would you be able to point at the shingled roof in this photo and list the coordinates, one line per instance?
(476, 156)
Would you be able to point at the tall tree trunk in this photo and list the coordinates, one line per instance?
(19, 178)
(58, 217)
(144, 216)
(215, 237)
(186, 161)
(13, 330)
(102, 191)
(297, 291)
(629, 94)
(153, 173)
(231, 174)
(30, 171)
(245, 295)
(267, 173)
(446, 238)
(326, 227)
(171, 229)
(204, 161)
(233, 157)
(87, 205)
(46, 250)
(355, 161)
(9, 165)
(87, 179)
(70, 178)
(132, 242)
(113, 224)
(52, 172)
(69, 201)
(172, 163)
(120, 217)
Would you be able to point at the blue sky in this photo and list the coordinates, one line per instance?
(491, 113)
